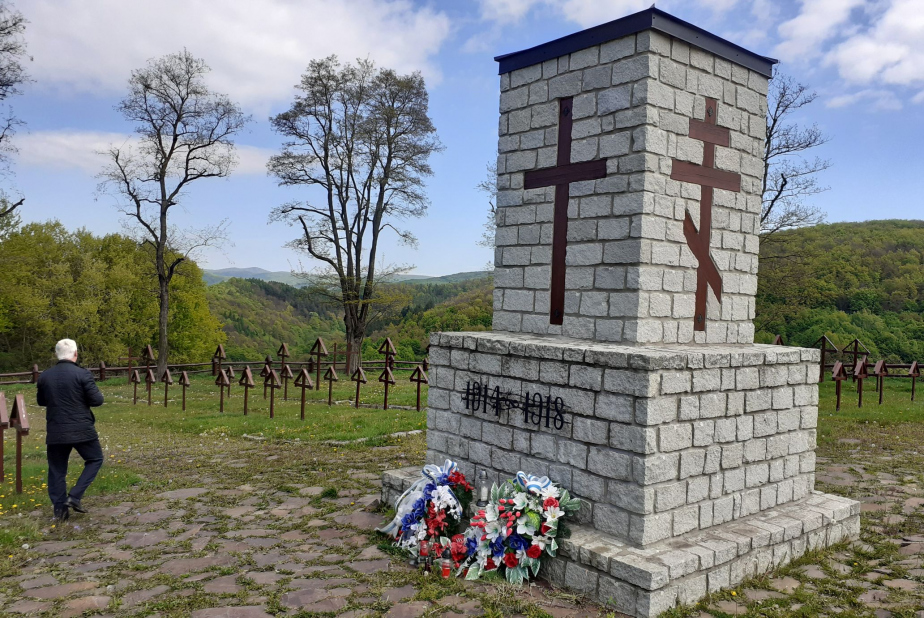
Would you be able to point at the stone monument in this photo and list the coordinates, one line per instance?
(622, 363)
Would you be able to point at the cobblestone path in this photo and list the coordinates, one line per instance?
(251, 532)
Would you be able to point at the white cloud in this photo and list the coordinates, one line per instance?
(256, 48)
(588, 13)
(507, 11)
(817, 21)
(877, 99)
(918, 98)
(890, 51)
(79, 150)
(585, 13)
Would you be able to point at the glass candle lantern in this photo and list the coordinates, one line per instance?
(446, 564)
(484, 489)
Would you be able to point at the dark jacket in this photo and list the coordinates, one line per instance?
(68, 391)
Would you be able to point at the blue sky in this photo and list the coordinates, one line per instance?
(864, 58)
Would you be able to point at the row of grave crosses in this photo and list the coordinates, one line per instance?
(861, 371)
(273, 379)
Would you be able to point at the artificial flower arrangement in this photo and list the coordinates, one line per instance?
(431, 509)
(519, 525)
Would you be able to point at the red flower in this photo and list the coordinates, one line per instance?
(435, 521)
(458, 548)
(534, 551)
(458, 479)
(510, 559)
(543, 529)
(549, 502)
(489, 565)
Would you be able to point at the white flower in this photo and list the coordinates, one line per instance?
(524, 526)
(551, 491)
(520, 501)
(493, 529)
(542, 541)
(442, 498)
(553, 513)
(490, 513)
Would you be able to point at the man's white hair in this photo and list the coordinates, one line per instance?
(65, 349)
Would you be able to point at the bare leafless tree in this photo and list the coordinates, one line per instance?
(185, 133)
(12, 76)
(488, 187)
(359, 138)
(789, 176)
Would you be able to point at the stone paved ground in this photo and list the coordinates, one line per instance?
(250, 532)
(238, 529)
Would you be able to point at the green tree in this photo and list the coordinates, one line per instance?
(185, 132)
(96, 290)
(361, 137)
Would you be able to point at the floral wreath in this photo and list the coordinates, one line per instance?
(519, 525)
(510, 535)
(431, 508)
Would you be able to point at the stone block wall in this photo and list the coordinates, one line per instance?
(630, 274)
(658, 442)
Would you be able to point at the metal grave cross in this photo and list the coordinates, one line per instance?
(708, 178)
(561, 176)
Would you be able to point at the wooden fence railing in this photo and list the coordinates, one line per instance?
(276, 372)
(853, 362)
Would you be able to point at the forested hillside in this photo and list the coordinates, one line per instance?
(258, 315)
(846, 280)
(100, 291)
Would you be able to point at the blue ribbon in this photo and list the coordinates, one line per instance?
(532, 484)
(430, 473)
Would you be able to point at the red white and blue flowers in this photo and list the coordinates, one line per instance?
(519, 525)
(431, 508)
(510, 535)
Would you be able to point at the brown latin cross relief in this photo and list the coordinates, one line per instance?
(561, 176)
(708, 178)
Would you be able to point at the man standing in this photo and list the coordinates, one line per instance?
(67, 392)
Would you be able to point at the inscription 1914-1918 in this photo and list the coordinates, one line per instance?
(537, 408)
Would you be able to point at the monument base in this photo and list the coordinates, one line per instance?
(681, 570)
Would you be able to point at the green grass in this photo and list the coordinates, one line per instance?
(897, 412)
(124, 427)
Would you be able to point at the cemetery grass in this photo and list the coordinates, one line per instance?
(125, 428)
(872, 454)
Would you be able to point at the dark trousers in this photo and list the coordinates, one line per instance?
(58, 455)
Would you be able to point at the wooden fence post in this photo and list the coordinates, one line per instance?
(247, 382)
(387, 378)
(4, 423)
(331, 376)
(420, 377)
(167, 379)
(20, 420)
(184, 382)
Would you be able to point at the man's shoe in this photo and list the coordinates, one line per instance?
(62, 513)
(75, 504)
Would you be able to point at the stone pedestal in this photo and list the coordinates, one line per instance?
(695, 465)
(622, 362)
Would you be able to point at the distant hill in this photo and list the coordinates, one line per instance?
(211, 277)
(477, 274)
(258, 315)
(846, 280)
